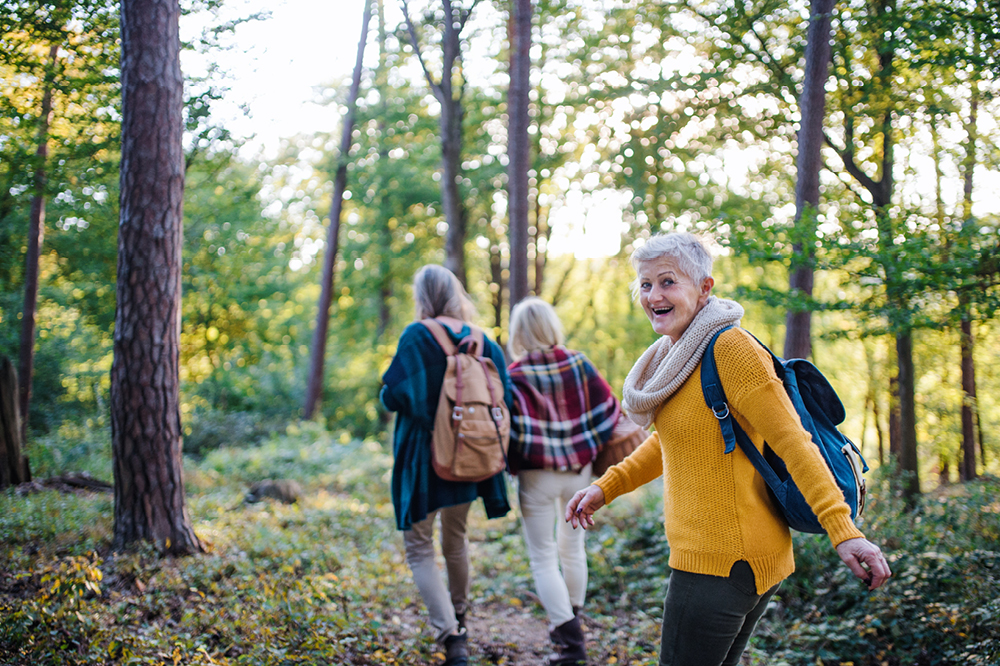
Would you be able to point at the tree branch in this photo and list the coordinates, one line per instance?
(435, 87)
(847, 157)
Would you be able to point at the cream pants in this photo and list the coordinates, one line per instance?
(543, 495)
(442, 603)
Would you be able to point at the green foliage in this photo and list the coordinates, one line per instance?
(941, 606)
(325, 580)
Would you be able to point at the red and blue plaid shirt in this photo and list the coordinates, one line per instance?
(564, 411)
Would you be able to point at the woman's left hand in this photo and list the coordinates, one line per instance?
(866, 560)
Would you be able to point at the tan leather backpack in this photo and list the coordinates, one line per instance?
(472, 424)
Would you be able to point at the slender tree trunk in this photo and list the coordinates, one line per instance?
(543, 231)
(518, 142)
(36, 235)
(876, 415)
(496, 278)
(455, 215)
(907, 416)
(314, 388)
(385, 253)
(452, 120)
(13, 465)
(967, 465)
(145, 396)
(812, 104)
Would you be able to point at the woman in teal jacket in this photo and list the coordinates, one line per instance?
(412, 385)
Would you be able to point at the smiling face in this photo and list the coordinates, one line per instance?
(669, 297)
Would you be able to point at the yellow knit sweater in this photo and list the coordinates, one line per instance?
(717, 510)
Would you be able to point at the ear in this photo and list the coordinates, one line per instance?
(706, 289)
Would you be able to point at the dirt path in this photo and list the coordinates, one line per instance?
(509, 635)
(498, 634)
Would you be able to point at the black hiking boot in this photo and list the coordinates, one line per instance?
(570, 645)
(457, 649)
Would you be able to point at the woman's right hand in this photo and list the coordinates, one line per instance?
(581, 507)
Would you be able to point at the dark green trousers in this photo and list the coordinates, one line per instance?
(707, 620)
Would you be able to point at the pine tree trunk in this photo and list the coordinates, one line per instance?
(908, 460)
(812, 104)
(518, 142)
(36, 234)
(145, 398)
(451, 197)
(13, 465)
(317, 359)
(967, 464)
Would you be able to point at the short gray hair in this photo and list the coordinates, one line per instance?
(438, 293)
(692, 257)
(534, 324)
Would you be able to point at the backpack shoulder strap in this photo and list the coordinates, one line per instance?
(440, 335)
(715, 396)
(478, 341)
(732, 433)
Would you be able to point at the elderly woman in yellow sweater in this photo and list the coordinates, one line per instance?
(729, 547)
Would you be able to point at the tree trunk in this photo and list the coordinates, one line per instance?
(145, 399)
(496, 278)
(36, 234)
(519, 160)
(970, 412)
(967, 462)
(895, 439)
(314, 388)
(385, 252)
(543, 232)
(13, 465)
(452, 119)
(908, 461)
(451, 198)
(812, 104)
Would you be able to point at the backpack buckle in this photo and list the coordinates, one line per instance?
(456, 413)
(497, 414)
(719, 413)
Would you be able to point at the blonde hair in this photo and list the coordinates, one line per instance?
(692, 257)
(438, 293)
(534, 324)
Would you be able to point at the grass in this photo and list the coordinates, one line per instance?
(324, 581)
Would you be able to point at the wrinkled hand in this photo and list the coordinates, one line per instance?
(581, 507)
(866, 560)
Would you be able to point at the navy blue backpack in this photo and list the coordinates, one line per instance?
(820, 410)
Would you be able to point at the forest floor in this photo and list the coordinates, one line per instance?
(324, 580)
(498, 633)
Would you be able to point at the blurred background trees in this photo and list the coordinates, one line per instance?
(643, 117)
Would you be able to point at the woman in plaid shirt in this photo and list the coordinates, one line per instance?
(564, 411)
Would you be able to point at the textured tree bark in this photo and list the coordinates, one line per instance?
(970, 412)
(908, 461)
(496, 277)
(518, 143)
(36, 234)
(967, 464)
(315, 385)
(455, 215)
(812, 107)
(145, 399)
(13, 465)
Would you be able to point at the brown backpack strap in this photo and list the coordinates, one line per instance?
(441, 335)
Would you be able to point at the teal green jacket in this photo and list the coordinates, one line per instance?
(411, 387)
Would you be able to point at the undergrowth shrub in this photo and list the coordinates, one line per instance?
(324, 581)
(941, 607)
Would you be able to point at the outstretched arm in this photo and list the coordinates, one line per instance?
(866, 560)
(581, 507)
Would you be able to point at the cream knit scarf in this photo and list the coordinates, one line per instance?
(666, 365)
